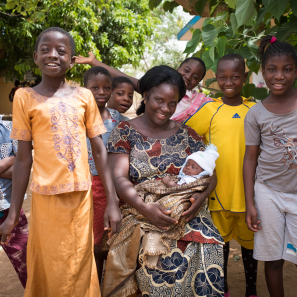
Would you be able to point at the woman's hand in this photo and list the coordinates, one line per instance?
(197, 200)
(85, 60)
(158, 216)
(112, 218)
(251, 218)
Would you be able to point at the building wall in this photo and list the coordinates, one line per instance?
(5, 104)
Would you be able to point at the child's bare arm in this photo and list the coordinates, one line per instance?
(166, 180)
(112, 215)
(91, 60)
(21, 174)
(7, 173)
(6, 163)
(249, 171)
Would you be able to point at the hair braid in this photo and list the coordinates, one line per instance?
(277, 48)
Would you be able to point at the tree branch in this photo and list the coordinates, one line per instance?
(10, 15)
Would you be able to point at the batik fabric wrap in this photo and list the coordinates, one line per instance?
(16, 249)
(192, 264)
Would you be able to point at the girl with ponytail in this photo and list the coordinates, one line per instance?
(271, 197)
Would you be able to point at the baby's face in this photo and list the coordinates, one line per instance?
(192, 168)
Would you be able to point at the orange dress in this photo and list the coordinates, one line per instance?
(60, 246)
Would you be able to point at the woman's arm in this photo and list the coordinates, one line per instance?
(155, 213)
(249, 171)
(91, 60)
(112, 214)
(21, 174)
(198, 198)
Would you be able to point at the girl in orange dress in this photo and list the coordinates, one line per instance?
(57, 118)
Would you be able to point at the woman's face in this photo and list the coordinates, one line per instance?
(160, 103)
(192, 72)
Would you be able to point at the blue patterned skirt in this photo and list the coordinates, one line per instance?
(193, 267)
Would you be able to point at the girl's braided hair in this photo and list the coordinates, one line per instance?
(276, 48)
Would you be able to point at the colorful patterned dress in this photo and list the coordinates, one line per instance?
(194, 266)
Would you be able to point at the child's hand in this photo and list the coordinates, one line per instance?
(112, 218)
(5, 230)
(166, 179)
(251, 218)
(85, 60)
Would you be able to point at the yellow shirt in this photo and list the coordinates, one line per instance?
(223, 125)
(58, 128)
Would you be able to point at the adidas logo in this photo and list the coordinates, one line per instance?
(236, 116)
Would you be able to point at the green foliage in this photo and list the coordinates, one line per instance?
(238, 29)
(193, 43)
(116, 31)
(244, 11)
(169, 5)
(163, 49)
(199, 6)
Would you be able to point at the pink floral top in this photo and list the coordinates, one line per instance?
(189, 105)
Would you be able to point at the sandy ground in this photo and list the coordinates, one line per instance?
(11, 287)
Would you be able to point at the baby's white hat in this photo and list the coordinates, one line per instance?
(206, 159)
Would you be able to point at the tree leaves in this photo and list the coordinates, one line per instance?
(116, 31)
(169, 5)
(199, 6)
(293, 4)
(154, 3)
(210, 81)
(276, 7)
(192, 44)
(260, 93)
(248, 90)
(220, 44)
(209, 33)
(231, 3)
(244, 11)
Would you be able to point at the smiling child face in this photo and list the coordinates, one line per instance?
(53, 55)
(121, 97)
(100, 86)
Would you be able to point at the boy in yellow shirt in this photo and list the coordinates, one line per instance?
(221, 122)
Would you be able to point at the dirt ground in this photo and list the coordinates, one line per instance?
(11, 287)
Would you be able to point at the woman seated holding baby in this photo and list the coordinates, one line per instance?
(148, 148)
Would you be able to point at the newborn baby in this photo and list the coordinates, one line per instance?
(196, 165)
